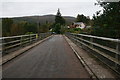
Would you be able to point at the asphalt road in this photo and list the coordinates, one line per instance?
(51, 59)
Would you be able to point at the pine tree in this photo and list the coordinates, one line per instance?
(59, 19)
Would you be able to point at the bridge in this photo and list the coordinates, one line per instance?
(60, 56)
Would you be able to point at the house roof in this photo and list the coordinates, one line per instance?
(78, 23)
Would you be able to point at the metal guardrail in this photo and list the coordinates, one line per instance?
(106, 50)
(9, 44)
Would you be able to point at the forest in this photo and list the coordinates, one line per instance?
(105, 23)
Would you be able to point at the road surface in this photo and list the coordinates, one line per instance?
(51, 59)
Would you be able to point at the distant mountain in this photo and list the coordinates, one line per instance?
(43, 19)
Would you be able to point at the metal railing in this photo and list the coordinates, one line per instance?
(106, 50)
(12, 43)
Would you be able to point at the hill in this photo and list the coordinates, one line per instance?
(43, 19)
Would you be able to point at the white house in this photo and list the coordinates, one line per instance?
(79, 25)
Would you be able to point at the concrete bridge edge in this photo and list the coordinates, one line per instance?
(14, 54)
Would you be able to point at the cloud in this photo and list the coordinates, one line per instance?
(48, 0)
(14, 9)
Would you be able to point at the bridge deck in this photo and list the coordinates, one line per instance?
(51, 59)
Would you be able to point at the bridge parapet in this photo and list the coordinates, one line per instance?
(12, 43)
(106, 50)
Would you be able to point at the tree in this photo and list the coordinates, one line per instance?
(107, 24)
(59, 22)
(57, 28)
(59, 19)
(44, 28)
(15, 30)
(82, 18)
(6, 25)
(30, 27)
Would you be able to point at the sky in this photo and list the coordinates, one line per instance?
(19, 8)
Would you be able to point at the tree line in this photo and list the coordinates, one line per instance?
(106, 24)
(11, 28)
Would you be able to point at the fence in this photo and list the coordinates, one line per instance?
(9, 44)
(106, 50)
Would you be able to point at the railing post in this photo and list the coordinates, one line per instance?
(30, 37)
(81, 36)
(91, 40)
(37, 37)
(21, 41)
(41, 36)
(44, 35)
(1, 48)
(76, 38)
(3, 51)
(72, 36)
(81, 40)
(69, 35)
(116, 55)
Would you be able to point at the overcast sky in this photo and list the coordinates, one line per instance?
(15, 8)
